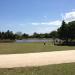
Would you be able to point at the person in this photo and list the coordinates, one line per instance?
(44, 43)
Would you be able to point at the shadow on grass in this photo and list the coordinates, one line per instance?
(66, 44)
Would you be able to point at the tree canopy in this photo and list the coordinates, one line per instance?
(67, 31)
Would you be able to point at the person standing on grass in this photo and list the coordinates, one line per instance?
(44, 43)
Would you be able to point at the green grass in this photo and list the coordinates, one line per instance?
(9, 48)
(62, 69)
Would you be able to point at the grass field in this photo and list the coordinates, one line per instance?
(62, 69)
(9, 48)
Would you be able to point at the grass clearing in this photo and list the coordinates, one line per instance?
(10, 48)
(61, 69)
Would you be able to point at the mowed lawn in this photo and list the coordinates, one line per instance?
(10, 48)
(61, 69)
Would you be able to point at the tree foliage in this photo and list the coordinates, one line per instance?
(7, 35)
(67, 31)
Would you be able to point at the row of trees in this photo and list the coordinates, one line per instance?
(66, 32)
(7, 35)
(12, 36)
(36, 35)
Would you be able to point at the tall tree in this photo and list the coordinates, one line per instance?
(67, 32)
(63, 31)
(71, 30)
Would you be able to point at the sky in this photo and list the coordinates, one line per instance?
(29, 16)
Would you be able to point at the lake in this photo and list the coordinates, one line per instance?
(32, 40)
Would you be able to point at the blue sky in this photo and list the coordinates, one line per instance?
(31, 16)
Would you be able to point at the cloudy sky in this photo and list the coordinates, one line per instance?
(31, 16)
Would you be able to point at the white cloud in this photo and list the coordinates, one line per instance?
(45, 27)
(35, 23)
(55, 23)
(69, 16)
(48, 26)
(51, 23)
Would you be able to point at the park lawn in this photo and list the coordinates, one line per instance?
(60, 69)
(10, 48)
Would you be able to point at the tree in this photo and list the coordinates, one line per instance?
(67, 32)
(0, 35)
(9, 35)
(71, 30)
(54, 35)
(24, 36)
(63, 31)
(35, 35)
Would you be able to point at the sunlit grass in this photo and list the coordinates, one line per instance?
(6, 48)
(62, 69)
